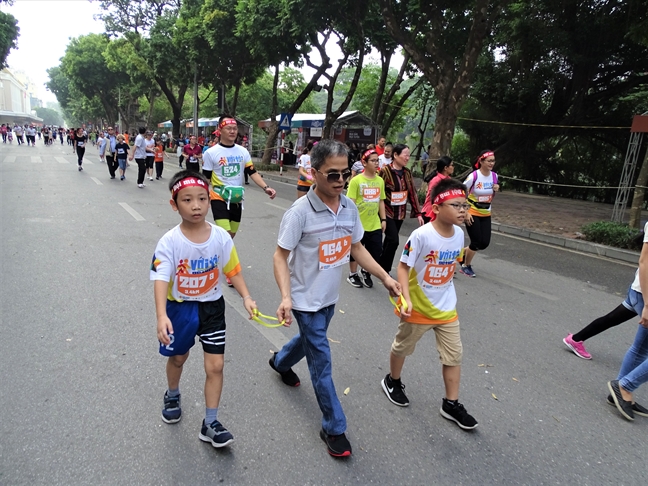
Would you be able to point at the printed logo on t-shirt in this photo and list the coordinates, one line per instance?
(196, 278)
(440, 268)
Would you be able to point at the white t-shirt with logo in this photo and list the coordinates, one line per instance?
(431, 258)
(193, 269)
(636, 285)
(480, 190)
(226, 165)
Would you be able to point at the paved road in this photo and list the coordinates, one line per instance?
(82, 381)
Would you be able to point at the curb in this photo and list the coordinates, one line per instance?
(626, 256)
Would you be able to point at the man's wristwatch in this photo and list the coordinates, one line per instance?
(266, 188)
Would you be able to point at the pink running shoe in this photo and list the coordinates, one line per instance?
(577, 347)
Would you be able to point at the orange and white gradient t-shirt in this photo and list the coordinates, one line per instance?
(431, 258)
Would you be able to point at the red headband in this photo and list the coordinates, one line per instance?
(188, 182)
(366, 155)
(445, 196)
(451, 194)
(227, 121)
(482, 157)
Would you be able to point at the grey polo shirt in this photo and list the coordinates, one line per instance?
(318, 240)
(140, 147)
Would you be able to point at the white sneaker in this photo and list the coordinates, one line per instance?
(141, 186)
(150, 178)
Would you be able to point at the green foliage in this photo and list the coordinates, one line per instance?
(9, 33)
(49, 116)
(556, 63)
(612, 234)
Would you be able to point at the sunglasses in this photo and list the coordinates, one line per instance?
(332, 177)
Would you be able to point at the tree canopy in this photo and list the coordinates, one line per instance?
(9, 33)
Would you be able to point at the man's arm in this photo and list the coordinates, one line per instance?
(258, 180)
(282, 276)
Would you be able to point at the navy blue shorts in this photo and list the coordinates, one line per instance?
(190, 319)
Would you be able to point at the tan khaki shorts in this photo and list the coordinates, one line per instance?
(448, 340)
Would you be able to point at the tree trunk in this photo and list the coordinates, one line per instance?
(385, 58)
(639, 192)
(274, 126)
(149, 116)
(235, 98)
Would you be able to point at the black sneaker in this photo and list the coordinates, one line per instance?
(171, 413)
(636, 408)
(289, 377)
(215, 433)
(337, 445)
(457, 413)
(623, 406)
(355, 281)
(366, 279)
(394, 391)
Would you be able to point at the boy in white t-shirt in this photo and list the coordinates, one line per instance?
(425, 272)
(189, 300)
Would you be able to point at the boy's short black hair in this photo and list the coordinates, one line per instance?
(183, 174)
(447, 185)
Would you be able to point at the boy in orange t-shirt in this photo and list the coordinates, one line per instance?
(160, 154)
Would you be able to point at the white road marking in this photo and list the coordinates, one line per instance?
(61, 160)
(277, 206)
(10, 158)
(97, 181)
(132, 212)
(36, 159)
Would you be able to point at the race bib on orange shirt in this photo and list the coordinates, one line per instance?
(333, 253)
(438, 275)
(197, 284)
(371, 194)
(485, 199)
(399, 198)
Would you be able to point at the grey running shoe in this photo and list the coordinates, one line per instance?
(215, 433)
(622, 405)
(171, 413)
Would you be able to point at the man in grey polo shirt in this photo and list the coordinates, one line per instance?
(316, 237)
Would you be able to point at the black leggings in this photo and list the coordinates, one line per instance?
(80, 153)
(390, 244)
(141, 170)
(479, 232)
(618, 316)
(159, 167)
(372, 241)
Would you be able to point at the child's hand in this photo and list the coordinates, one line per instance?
(406, 312)
(164, 328)
(250, 306)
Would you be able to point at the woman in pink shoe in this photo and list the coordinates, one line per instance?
(622, 313)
